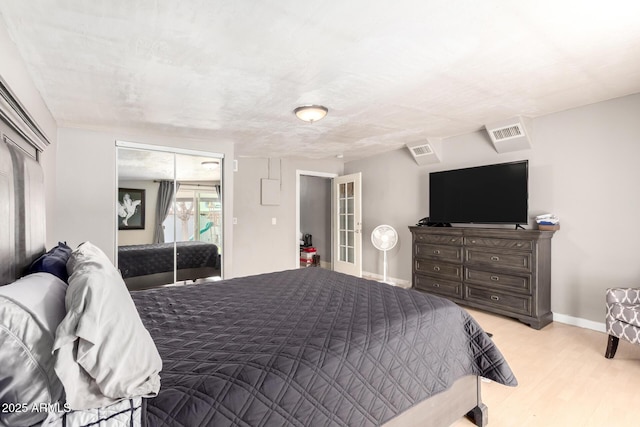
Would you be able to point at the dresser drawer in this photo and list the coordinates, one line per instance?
(448, 253)
(438, 286)
(439, 269)
(443, 239)
(497, 300)
(486, 242)
(511, 260)
(498, 280)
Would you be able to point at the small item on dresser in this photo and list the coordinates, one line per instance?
(548, 222)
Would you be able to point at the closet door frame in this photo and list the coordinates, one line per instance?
(174, 151)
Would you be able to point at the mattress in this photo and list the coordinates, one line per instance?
(306, 347)
(141, 260)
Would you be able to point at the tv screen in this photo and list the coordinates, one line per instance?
(493, 194)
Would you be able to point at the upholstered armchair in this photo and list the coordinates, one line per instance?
(623, 317)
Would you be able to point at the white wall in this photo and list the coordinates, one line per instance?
(86, 185)
(14, 73)
(259, 246)
(583, 166)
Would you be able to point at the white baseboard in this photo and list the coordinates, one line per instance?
(577, 321)
(390, 280)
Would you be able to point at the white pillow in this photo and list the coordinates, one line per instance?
(103, 351)
(42, 295)
(30, 310)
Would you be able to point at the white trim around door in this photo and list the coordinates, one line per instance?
(300, 173)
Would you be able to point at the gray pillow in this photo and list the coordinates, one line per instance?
(30, 310)
(103, 351)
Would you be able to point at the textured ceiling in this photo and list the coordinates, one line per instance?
(390, 73)
(149, 165)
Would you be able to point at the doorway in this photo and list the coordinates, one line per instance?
(313, 215)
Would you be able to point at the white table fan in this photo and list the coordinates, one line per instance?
(384, 238)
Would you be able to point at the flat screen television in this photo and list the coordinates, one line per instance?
(492, 194)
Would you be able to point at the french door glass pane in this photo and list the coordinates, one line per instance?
(346, 217)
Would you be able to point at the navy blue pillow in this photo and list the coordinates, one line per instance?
(54, 262)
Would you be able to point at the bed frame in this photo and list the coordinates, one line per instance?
(148, 281)
(22, 240)
(443, 409)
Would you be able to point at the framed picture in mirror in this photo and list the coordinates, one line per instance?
(130, 207)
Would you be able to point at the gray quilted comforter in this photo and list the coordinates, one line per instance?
(306, 347)
(139, 260)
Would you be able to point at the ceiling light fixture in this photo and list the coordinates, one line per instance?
(209, 165)
(310, 113)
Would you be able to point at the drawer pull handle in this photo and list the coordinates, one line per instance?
(453, 240)
(495, 258)
(437, 252)
(473, 241)
(436, 268)
(519, 244)
(495, 278)
(495, 298)
(436, 285)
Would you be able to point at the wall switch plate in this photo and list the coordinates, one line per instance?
(273, 221)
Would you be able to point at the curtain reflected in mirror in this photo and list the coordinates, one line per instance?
(163, 206)
(181, 204)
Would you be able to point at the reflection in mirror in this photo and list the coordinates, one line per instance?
(181, 208)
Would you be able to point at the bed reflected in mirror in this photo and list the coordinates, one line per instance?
(169, 216)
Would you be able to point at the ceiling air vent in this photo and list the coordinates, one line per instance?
(510, 135)
(421, 150)
(507, 133)
(426, 153)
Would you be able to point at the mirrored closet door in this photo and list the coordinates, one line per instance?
(169, 216)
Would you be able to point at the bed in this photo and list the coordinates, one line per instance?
(292, 348)
(151, 265)
(311, 347)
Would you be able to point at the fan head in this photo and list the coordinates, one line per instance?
(384, 237)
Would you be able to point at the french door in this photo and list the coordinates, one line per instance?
(347, 220)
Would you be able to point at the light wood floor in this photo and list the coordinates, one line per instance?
(563, 376)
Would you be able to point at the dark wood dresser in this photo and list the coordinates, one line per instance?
(502, 271)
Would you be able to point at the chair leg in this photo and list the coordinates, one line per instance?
(612, 346)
